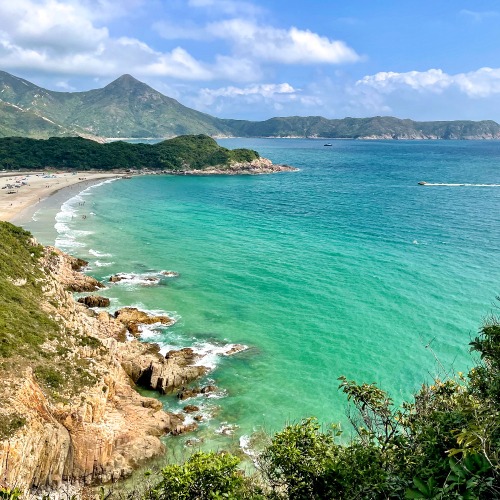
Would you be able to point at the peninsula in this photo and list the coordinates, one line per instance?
(188, 153)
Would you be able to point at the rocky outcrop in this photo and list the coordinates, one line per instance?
(94, 301)
(164, 374)
(195, 391)
(254, 167)
(65, 269)
(96, 428)
(132, 318)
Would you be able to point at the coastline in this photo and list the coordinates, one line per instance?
(18, 204)
(113, 429)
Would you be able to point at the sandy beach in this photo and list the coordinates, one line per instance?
(20, 193)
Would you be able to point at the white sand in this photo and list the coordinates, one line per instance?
(38, 186)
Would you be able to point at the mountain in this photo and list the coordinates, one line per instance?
(378, 127)
(129, 108)
(124, 108)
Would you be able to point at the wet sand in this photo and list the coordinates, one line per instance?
(28, 190)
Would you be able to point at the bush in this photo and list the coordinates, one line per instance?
(298, 459)
(203, 476)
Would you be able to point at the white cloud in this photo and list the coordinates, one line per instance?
(483, 82)
(226, 99)
(292, 46)
(61, 37)
(48, 26)
(237, 69)
(263, 90)
(178, 64)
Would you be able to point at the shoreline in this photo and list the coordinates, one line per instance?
(22, 194)
(31, 191)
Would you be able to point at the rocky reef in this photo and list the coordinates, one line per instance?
(75, 416)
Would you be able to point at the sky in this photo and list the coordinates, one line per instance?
(255, 59)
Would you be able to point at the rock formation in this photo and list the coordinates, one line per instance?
(132, 318)
(66, 269)
(94, 301)
(95, 427)
(254, 167)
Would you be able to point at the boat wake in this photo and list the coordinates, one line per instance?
(456, 184)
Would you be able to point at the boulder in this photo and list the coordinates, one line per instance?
(192, 392)
(94, 301)
(132, 317)
(170, 274)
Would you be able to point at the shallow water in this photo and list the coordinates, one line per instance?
(347, 267)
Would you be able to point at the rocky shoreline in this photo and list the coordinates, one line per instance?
(106, 429)
(255, 167)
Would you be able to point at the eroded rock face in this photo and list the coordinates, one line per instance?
(94, 301)
(151, 370)
(66, 270)
(103, 431)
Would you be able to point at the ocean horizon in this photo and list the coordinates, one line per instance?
(346, 267)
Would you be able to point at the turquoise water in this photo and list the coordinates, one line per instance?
(346, 267)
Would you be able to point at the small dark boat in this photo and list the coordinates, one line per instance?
(327, 144)
(422, 183)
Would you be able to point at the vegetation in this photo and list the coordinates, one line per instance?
(444, 445)
(386, 127)
(23, 324)
(204, 476)
(129, 108)
(30, 337)
(181, 153)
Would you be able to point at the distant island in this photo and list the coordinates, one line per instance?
(188, 154)
(128, 108)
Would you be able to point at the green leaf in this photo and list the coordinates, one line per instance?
(411, 493)
(421, 486)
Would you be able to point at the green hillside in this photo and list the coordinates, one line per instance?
(128, 108)
(124, 108)
(181, 153)
(382, 127)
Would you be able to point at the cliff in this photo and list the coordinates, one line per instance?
(68, 407)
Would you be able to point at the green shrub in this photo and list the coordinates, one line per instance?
(298, 460)
(9, 424)
(203, 476)
(49, 376)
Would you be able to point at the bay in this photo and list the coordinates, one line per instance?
(347, 267)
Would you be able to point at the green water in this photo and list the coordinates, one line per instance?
(346, 267)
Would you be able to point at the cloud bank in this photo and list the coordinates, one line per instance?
(481, 83)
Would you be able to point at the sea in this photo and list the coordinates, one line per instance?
(345, 267)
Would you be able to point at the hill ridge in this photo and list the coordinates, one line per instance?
(129, 108)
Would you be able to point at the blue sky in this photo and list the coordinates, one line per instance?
(426, 60)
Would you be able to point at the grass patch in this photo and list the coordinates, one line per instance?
(29, 337)
(23, 325)
(9, 424)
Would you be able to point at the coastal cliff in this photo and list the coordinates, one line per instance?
(69, 410)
